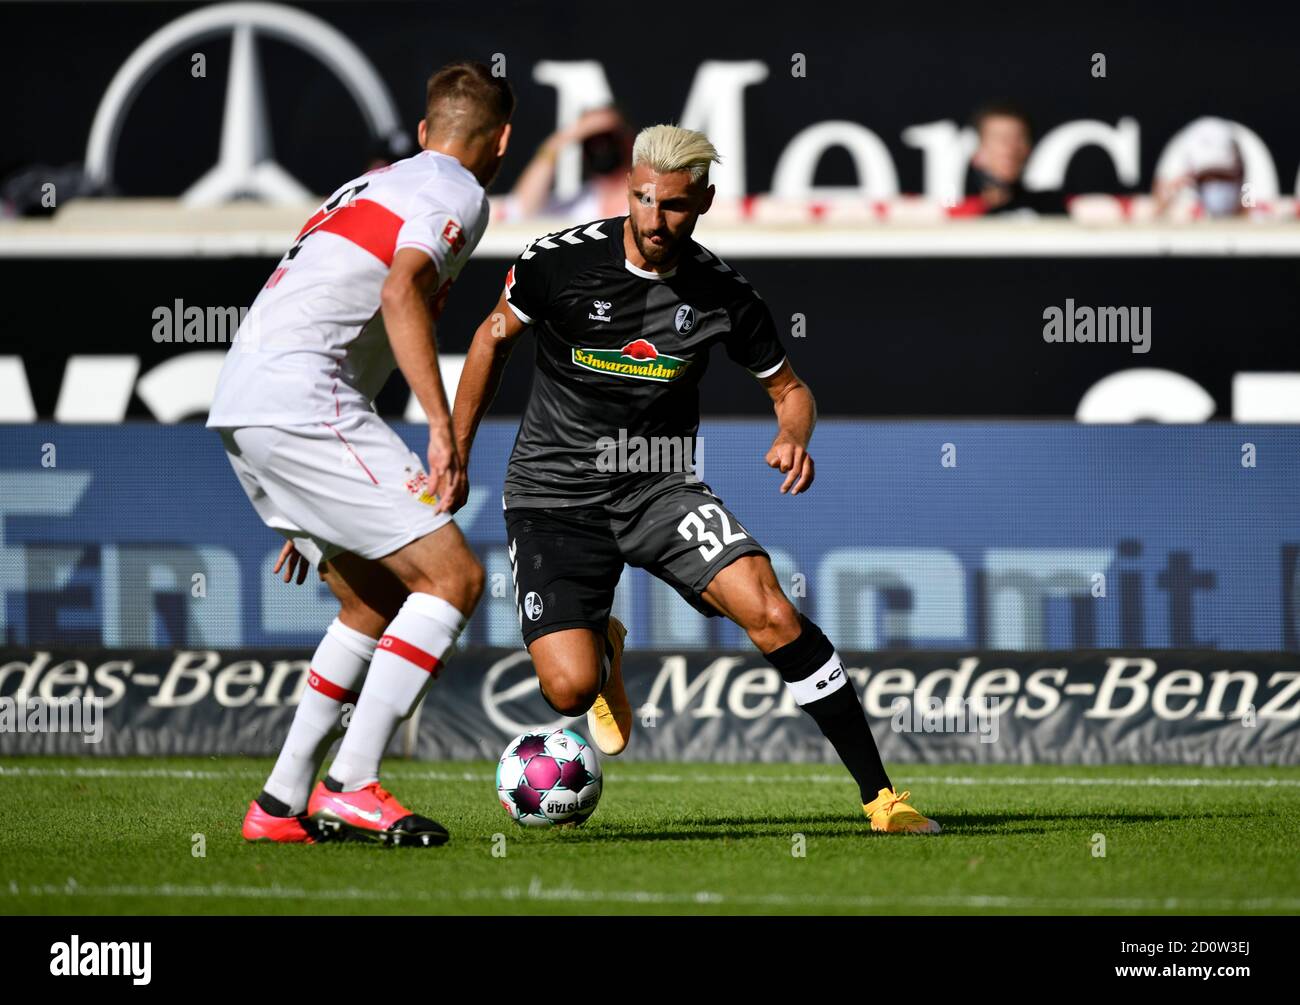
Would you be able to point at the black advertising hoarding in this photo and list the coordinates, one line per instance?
(1082, 707)
(840, 97)
(767, 80)
(909, 337)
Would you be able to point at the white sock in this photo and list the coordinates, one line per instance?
(337, 668)
(405, 663)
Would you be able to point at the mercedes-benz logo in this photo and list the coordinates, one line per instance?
(512, 697)
(245, 166)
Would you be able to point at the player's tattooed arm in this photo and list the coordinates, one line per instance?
(481, 375)
(796, 414)
(405, 305)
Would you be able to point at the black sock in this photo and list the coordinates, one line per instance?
(272, 805)
(813, 670)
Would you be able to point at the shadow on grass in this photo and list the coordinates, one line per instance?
(1021, 823)
(839, 825)
(823, 825)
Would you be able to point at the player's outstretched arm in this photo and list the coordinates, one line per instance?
(481, 376)
(796, 414)
(409, 322)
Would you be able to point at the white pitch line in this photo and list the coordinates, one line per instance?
(7, 771)
(1130, 782)
(669, 779)
(538, 893)
(967, 780)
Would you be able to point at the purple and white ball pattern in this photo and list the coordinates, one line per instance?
(547, 778)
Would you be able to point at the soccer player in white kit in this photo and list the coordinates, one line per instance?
(357, 294)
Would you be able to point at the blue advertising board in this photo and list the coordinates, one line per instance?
(917, 535)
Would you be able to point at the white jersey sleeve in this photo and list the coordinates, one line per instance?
(447, 230)
(441, 230)
(312, 346)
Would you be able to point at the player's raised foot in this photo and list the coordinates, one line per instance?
(372, 813)
(889, 812)
(609, 720)
(261, 825)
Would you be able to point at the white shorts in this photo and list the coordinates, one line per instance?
(330, 487)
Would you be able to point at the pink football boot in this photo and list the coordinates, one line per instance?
(371, 813)
(262, 826)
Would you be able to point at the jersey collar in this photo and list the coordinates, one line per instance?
(643, 273)
(657, 276)
(453, 163)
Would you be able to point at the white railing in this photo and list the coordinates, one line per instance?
(1099, 226)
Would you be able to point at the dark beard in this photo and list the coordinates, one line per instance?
(653, 255)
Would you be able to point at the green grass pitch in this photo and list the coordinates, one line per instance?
(119, 836)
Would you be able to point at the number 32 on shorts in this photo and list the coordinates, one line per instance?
(693, 528)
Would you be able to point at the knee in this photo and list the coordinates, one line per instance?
(475, 578)
(571, 693)
(365, 619)
(775, 623)
(465, 589)
(460, 583)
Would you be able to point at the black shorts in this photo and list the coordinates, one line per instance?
(567, 561)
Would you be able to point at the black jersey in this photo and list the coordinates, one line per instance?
(620, 353)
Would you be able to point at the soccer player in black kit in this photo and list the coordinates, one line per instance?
(625, 311)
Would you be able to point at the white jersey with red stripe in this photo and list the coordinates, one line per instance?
(313, 346)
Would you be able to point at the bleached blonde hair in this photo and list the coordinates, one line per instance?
(668, 148)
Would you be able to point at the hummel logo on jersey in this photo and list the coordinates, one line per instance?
(646, 362)
(602, 307)
(684, 321)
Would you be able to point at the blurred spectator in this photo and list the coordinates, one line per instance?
(606, 158)
(994, 182)
(396, 146)
(1210, 172)
(41, 189)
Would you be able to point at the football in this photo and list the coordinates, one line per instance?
(544, 779)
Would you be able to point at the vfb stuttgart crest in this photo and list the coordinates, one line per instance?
(684, 322)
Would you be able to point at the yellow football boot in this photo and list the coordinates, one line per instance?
(609, 719)
(889, 812)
